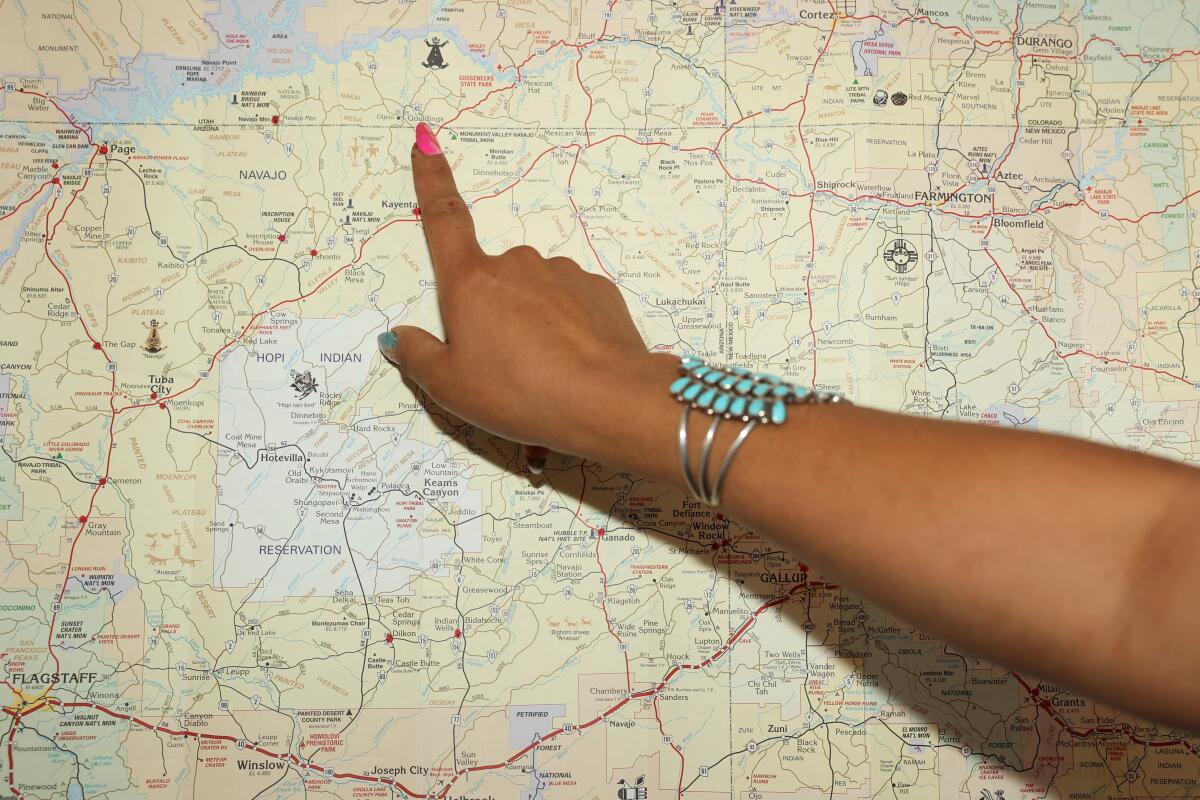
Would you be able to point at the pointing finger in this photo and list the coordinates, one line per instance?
(448, 225)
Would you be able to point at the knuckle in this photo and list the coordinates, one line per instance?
(483, 270)
(606, 283)
(524, 252)
(447, 205)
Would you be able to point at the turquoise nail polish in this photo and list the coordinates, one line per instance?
(387, 341)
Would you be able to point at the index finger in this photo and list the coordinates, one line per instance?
(449, 229)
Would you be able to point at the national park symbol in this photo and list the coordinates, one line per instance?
(154, 343)
(434, 60)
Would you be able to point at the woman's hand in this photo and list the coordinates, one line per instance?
(537, 350)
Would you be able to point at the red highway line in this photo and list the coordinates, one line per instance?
(675, 747)
(1124, 729)
(17, 207)
(654, 691)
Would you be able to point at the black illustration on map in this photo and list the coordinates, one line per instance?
(434, 60)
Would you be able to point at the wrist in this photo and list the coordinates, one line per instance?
(640, 430)
(633, 421)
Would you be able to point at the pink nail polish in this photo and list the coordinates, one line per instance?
(427, 143)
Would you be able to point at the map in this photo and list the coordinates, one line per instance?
(240, 559)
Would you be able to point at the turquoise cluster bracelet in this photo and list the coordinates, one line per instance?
(739, 393)
(731, 393)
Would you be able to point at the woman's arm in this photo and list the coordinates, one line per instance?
(1077, 562)
(1074, 561)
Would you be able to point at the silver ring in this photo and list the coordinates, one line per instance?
(683, 454)
(715, 498)
(705, 453)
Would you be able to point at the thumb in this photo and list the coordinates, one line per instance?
(415, 352)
